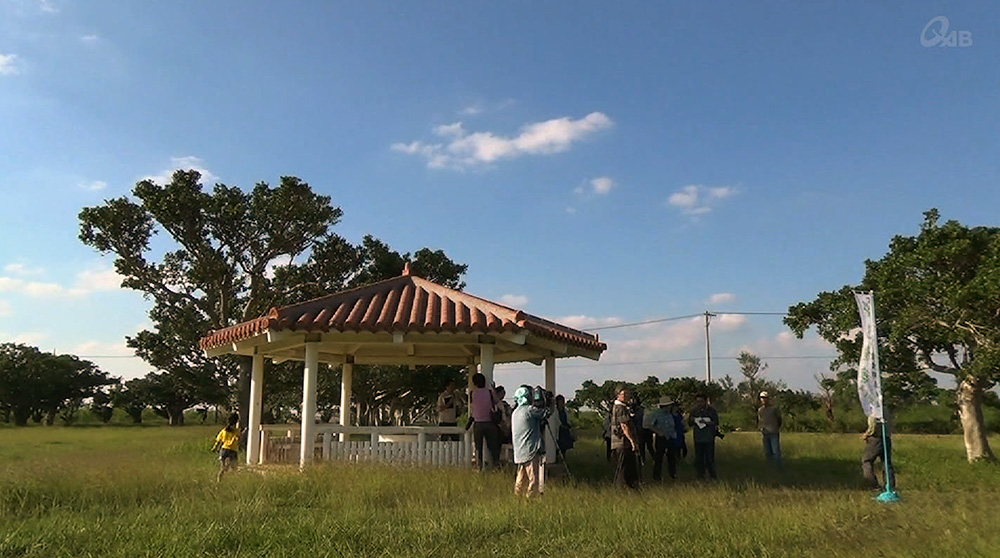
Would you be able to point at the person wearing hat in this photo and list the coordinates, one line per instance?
(769, 422)
(660, 421)
(526, 434)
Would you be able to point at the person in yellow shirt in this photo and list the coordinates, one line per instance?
(227, 443)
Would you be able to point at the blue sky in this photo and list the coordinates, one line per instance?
(593, 163)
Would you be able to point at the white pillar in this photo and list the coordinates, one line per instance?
(309, 375)
(256, 392)
(486, 368)
(553, 430)
(486, 362)
(550, 374)
(346, 389)
(470, 371)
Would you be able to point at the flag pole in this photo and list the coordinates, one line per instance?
(889, 494)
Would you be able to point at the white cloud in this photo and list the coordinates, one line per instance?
(24, 338)
(93, 185)
(721, 298)
(9, 284)
(602, 185)
(454, 130)
(665, 339)
(721, 192)
(696, 199)
(90, 40)
(517, 301)
(94, 347)
(729, 322)
(8, 64)
(571, 210)
(48, 7)
(188, 162)
(40, 290)
(465, 150)
(87, 281)
(105, 279)
(481, 106)
(4, 308)
(801, 360)
(22, 270)
(686, 197)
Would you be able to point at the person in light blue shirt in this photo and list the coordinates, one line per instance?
(660, 421)
(526, 431)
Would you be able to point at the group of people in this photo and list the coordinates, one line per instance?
(630, 431)
(495, 425)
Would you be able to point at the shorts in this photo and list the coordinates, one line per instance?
(225, 454)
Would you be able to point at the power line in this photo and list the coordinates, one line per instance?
(656, 321)
(668, 361)
(674, 318)
(753, 313)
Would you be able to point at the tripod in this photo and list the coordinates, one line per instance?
(541, 469)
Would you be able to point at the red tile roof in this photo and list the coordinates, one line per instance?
(403, 304)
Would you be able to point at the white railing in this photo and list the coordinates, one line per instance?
(415, 445)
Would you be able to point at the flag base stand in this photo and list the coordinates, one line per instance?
(888, 496)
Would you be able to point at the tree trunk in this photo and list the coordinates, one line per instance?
(21, 415)
(970, 411)
(175, 416)
(50, 417)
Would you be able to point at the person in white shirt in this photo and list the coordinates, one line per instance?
(449, 405)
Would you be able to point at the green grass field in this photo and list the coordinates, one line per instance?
(151, 491)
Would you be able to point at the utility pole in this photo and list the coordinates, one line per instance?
(708, 348)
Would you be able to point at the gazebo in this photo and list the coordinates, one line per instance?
(406, 320)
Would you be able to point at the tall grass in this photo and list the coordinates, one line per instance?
(152, 492)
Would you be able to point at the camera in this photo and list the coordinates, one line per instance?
(541, 397)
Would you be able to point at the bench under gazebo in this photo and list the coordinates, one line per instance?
(406, 320)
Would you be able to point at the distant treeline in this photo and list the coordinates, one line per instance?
(835, 408)
(47, 388)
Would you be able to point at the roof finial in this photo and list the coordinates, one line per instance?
(406, 269)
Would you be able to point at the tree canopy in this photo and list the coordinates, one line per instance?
(937, 308)
(227, 256)
(35, 383)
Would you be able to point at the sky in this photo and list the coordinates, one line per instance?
(594, 163)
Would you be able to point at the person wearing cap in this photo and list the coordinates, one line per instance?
(660, 421)
(624, 440)
(769, 422)
(526, 431)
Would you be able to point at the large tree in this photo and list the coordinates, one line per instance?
(228, 257)
(937, 300)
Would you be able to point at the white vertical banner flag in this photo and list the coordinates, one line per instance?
(869, 376)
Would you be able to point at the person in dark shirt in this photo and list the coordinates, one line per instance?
(704, 422)
(624, 441)
(566, 437)
(677, 447)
